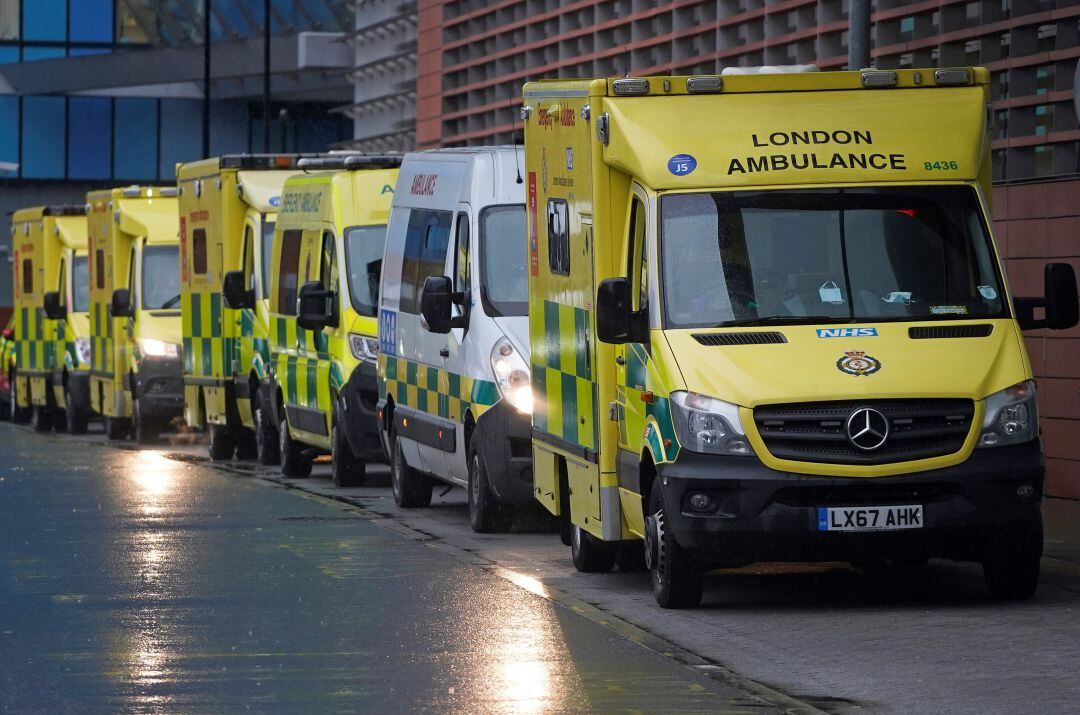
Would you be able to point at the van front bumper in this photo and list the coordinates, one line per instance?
(159, 386)
(361, 396)
(983, 506)
(505, 443)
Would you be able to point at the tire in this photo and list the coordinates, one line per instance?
(346, 469)
(222, 443)
(77, 422)
(246, 448)
(293, 462)
(590, 554)
(1014, 575)
(146, 430)
(486, 515)
(41, 419)
(411, 488)
(267, 447)
(116, 428)
(676, 579)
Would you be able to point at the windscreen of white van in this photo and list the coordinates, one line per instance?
(504, 278)
(826, 256)
(363, 257)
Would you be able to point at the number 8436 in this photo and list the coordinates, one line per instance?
(940, 165)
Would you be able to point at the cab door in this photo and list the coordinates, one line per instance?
(631, 390)
(242, 357)
(461, 359)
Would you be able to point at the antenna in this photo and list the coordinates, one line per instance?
(513, 138)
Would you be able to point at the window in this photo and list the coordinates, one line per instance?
(636, 254)
(91, 20)
(426, 241)
(198, 251)
(161, 277)
(80, 289)
(558, 231)
(246, 261)
(43, 137)
(62, 285)
(9, 20)
(89, 127)
(99, 268)
(328, 262)
(45, 20)
(9, 131)
(363, 261)
(27, 276)
(461, 253)
(181, 133)
(288, 267)
(135, 144)
(267, 254)
(504, 276)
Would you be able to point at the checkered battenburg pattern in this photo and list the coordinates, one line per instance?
(434, 390)
(565, 394)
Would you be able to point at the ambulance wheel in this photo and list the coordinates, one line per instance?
(41, 419)
(1014, 575)
(590, 554)
(347, 470)
(411, 488)
(676, 579)
(245, 444)
(116, 428)
(222, 443)
(19, 415)
(485, 514)
(146, 430)
(293, 461)
(266, 438)
(631, 557)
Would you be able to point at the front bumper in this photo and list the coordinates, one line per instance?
(360, 397)
(970, 511)
(159, 386)
(505, 441)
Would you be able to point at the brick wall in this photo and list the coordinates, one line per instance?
(1036, 223)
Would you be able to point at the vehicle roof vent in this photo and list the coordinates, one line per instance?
(770, 69)
(770, 337)
(930, 332)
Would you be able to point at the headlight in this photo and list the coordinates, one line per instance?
(363, 348)
(82, 350)
(705, 424)
(512, 376)
(1010, 416)
(158, 348)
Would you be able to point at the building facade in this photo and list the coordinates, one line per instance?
(474, 55)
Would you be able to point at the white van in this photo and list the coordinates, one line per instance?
(455, 400)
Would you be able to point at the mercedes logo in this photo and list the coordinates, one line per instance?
(867, 429)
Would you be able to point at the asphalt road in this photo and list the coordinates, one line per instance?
(151, 581)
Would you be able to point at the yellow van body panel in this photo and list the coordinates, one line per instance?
(589, 150)
(119, 220)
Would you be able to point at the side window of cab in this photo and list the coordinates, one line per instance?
(637, 255)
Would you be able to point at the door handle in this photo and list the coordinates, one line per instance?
(444, 352)
(620, 360)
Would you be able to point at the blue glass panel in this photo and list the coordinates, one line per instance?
(83, 51)
(228, 130)
(181, 134)
(91, 20)
(135, 144)
(319, 134)
(43, 137)
(41, 53)
(45, 20)
(9, 55)
(89, 137)
(9, 131)
(236, 21)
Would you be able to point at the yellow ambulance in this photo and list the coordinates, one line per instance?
(135, 379)
(228, 206)
(769, 323)
(324, 284)
(51, 324)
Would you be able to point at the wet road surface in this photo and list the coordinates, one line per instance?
(130, 581)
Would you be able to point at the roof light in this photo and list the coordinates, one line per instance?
(873, 79)
(952, 76)
(704, 85)
(132, 192)
(771, 69)
(624, 87)
(169, 191)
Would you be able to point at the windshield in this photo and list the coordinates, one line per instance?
(161, 277)
(363, 254)
(826, 256)
(504, 281)
(80, 286)
(267, 253)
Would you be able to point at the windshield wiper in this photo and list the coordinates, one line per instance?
(170, 302)
(782, 320)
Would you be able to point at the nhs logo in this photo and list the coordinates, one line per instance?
(847, 332)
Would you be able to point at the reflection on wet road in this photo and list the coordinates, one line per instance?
(131, 581)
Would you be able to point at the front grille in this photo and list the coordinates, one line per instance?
(817, 431)
(930, 332)
(759, 338)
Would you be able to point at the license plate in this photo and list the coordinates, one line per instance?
(869, 518)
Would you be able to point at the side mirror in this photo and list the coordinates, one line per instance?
(54, 309)
(1060, 301)
(616, 322)
(315, 307)
(237, 295)
(121, 304)
(436, 300)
